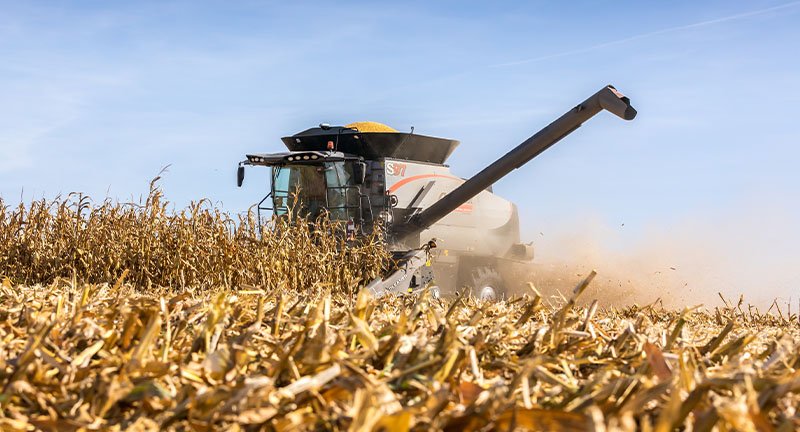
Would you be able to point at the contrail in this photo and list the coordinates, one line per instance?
(649, 34)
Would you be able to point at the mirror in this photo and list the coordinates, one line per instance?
(240, 176)
(359, 172)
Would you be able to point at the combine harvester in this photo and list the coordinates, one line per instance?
(367, 174)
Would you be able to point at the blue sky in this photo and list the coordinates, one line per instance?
(98, 96)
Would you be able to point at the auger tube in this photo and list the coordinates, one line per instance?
(608, 98)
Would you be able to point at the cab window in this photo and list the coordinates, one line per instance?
(308, 190)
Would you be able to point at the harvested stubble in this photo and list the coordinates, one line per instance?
(103, 357)
(297, 349)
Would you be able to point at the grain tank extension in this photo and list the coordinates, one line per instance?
(367, 174)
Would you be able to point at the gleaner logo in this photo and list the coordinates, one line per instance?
(396, 169)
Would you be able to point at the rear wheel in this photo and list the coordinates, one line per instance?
(487, 284)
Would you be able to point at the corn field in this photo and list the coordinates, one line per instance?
(199, 246)
(135, 317)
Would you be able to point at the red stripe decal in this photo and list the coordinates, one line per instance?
(405, 181)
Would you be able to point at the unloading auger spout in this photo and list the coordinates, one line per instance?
(608, 98)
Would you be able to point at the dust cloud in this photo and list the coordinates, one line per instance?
(752, 251)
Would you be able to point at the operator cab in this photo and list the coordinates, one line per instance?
(310, 184)
(308, 189)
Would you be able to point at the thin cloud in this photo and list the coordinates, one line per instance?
(650, 34)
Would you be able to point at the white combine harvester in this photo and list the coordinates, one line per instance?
(366, 174)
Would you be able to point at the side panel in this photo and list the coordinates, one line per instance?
(485, 225)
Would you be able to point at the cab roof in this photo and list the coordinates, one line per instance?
(296, 157)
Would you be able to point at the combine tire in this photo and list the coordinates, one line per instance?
(487, 284)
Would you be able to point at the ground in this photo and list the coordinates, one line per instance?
(111, 357)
